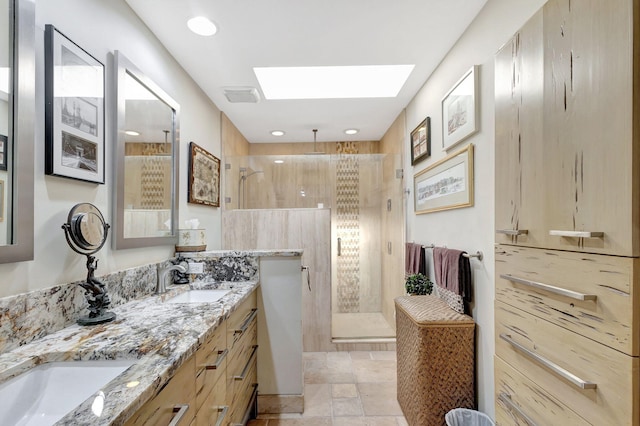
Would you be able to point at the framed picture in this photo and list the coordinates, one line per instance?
(1, 200)
(4, 152)
(445, 185)
(74, 110)
(421, 141)
(460, 110)
(204, 177)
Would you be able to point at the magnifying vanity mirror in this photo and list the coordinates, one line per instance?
(86, 232)
(146, 161)
(17, 112)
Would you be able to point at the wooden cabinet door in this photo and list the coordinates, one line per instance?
(589, 158)
(519, 151)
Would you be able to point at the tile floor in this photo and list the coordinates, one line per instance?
(345, 388)
(360, 325)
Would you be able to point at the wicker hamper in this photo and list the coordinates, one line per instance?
(436, 359)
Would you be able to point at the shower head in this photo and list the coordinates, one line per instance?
(251, 174)
(315, 151)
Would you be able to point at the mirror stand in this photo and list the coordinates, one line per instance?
(86, 232)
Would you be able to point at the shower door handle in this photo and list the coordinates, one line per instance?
(308, 269)
(339, 246)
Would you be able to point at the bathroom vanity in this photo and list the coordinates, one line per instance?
(196, 359)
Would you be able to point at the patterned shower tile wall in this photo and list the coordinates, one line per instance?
(152, 182)
(348, 227)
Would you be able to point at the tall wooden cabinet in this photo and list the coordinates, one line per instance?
(567, 311)
(566, 167)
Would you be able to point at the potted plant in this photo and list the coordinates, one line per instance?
(418, 284)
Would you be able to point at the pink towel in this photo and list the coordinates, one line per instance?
(445, 263)
(412, 258)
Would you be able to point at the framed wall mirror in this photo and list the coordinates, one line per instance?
(146, 161)
(17, 117)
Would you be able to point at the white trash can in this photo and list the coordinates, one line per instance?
(466, 417)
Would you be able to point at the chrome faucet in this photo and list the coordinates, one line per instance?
(162, 276)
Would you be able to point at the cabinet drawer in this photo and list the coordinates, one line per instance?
(241, 339)
(518, 398)
(179, 392)
(211, 364)
(610, 387)
(586, 293)
(214, 409)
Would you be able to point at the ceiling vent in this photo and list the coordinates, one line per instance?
(242, 94)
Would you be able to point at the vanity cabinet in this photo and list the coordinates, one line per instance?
(567, 172)
(218, 384)
(211, 386)
(567, 299)
(242, 337)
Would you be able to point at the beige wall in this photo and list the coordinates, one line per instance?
(469, 228)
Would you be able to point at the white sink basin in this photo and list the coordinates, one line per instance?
(44, 394)
(199, 296)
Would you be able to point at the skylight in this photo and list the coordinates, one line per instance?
(367, 81)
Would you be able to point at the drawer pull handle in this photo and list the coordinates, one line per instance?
(180, 411)
(223, 410)
(221, 356)
(576, 234)
(551, 289)
(245, 370)
(506, 400)
(246, 322)
(575, 380)
(513, 232)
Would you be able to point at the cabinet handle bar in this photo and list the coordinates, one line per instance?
(506, 399)
(550, 288)
(224, 409)
(246, 322)
(576, 234)
(572, 378)
(514, 232)
(245, 370)
(221, 356)
(180, 411)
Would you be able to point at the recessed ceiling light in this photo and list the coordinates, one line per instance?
(367, 81)
(131, 133)
(277, 132)
(202, 26)
(278, 161)
(351, 131)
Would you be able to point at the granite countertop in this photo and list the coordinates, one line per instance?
(158, 336)
(243, 253)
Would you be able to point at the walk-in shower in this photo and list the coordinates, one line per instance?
(365, 202)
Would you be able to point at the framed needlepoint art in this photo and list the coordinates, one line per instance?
(204, 177)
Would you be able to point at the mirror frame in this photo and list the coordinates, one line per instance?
(124, 66)
(22, 134)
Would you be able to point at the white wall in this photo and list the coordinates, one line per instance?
(469, 228)
(101, 27)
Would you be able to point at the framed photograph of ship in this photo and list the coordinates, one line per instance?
(74, 110)
(459, 110)
(445, 185)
